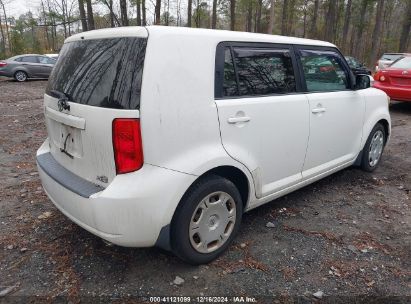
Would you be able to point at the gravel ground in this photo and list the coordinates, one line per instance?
(345, 238)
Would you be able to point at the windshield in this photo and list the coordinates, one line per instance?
(352, 62)
(403, 63)
(104, 72)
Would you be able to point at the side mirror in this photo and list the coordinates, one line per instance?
(363, 81)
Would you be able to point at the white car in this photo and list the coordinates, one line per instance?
(54, 56)
(163, 136)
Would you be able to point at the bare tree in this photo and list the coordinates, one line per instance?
(143, 12)
(258, 16)
(329, 34)
(232, 15)
(357, 45)
(284, 18)
(123, 12)
(249, 24)
(82, 15)
(7, 26)
(214, 17)
(189, 12)
(405, 29)
(271, 21)
(157, 12)
(347, 19)
(377, 33)
(90, 17)
(314, 29)
(138, 7)
(3, 38)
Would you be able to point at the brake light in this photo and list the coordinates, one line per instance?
(2, 64)
(127, 145)
(382, 78)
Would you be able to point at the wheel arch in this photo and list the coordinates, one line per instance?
(19, 69)
(237, 176)
(386, 126)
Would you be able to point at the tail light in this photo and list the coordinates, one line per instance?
(2, 64)
(326, 68)
(127, 145)
(382, 78)
(377, 76)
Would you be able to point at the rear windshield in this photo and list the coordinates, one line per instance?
(391, 57)
(403, 63)
(103, 73)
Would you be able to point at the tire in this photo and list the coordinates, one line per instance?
(374, 148)
(20, 76)
(200, 231)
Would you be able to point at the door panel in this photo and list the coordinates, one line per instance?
(336, 120)
(336, 112)
(268, 134)
(45, 66)
(273, 142)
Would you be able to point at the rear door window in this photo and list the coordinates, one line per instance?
(323, 71)
(256, 71)
(102, 72)
(230, 86)
(46, 60)
(30, 59)
(264, 71)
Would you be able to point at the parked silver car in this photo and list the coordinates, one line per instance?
(23, 67)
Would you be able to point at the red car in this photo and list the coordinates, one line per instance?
(395, 80)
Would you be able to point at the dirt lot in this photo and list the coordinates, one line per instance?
(347, 235)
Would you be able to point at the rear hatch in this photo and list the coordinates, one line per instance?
(96, 79)
(399, 74)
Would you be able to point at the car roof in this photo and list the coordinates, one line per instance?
(221, 35)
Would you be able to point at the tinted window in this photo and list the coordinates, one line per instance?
(105, 72)
(230, 83)
(17, 59)
(323, 71)
(31, 59)
(264, 71)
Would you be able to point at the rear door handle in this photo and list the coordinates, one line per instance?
(233, 120)
(318, 110)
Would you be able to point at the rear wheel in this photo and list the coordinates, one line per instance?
(373, 148)
(206, 220)
(20, 76)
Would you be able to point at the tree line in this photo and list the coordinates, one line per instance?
(360, 28)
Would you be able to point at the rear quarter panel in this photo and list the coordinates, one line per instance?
(179, 119)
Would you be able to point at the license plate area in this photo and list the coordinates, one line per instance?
(70, 141)
(66, 139)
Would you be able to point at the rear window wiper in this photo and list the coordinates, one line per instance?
(63, 98)
(59, 95)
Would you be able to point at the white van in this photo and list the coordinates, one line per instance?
(164, 136)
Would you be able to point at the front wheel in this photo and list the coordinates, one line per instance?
(373, 148)
(206, 220)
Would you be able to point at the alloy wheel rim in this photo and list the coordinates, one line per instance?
(20, 76)
(376, 147)
(212, 222)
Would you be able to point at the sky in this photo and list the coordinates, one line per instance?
(17, 7)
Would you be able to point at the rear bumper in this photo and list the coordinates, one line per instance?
(5, 73)
(395, 92)
(131, 211)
